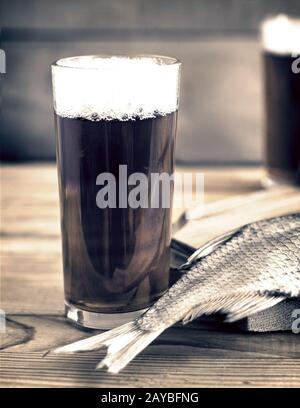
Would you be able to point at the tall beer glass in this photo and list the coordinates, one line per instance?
(115, 119)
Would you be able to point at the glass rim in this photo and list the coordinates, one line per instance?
(274, 16)
(167, 61)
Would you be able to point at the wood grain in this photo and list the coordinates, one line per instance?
(149, 370)
(204, 354)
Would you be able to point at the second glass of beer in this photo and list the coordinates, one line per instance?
(281, 62)
(115, 119)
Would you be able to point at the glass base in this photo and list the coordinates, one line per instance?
(101, 321)
(279, 176)
(269, 181)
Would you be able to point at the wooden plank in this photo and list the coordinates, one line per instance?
(206, 358)
(148, 370)
(43, 332)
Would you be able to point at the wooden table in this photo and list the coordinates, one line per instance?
(202, 354)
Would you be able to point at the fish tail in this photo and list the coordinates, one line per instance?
(93, 342)
(123, 344)
(123, 348)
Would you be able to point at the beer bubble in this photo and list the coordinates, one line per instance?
(95, 116)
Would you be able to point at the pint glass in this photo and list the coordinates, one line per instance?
(115, 119)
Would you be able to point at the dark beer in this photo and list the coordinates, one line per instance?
(115, 259)
(282, 90)
(282, 99)
(114, 112)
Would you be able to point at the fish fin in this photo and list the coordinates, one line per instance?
(257, 304)
(235, 306)
(123, 344)
(209, 247)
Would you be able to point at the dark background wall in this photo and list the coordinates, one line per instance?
(221, 112)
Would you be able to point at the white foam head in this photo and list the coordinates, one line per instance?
(281, 35)
(116, 87)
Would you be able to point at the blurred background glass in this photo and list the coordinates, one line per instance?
(281, 61)
(221, 113)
